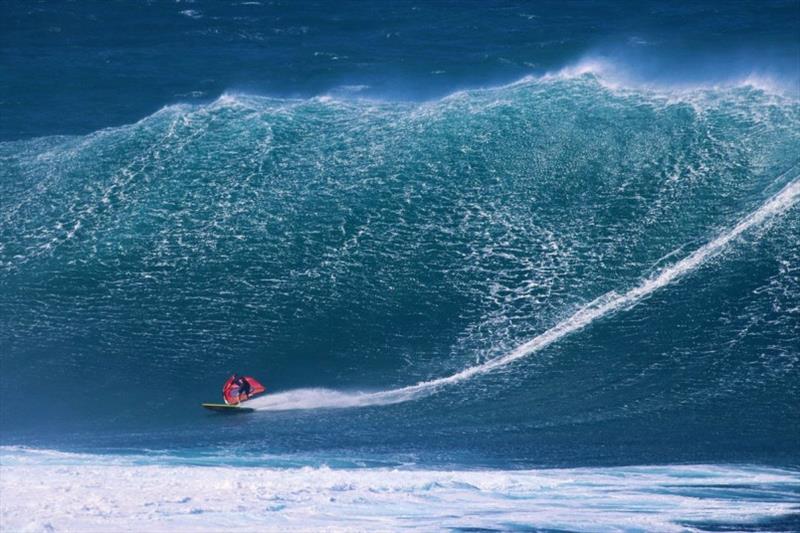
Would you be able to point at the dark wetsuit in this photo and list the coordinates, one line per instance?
(244, 387)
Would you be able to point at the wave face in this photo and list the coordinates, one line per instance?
(554, 264)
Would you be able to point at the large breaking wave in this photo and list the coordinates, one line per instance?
(355, 245)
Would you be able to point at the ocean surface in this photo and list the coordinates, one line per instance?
(481, 256)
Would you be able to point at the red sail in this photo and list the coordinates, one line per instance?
(230, 392)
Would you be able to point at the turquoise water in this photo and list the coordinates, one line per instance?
(551, 235)
(363, 246)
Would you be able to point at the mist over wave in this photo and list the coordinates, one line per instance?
(620, 72)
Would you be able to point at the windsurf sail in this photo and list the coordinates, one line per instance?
(230, 391)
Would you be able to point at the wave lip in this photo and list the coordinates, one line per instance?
(618, 73)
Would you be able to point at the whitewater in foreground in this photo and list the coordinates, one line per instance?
(55, 491)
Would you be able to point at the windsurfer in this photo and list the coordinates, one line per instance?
(244, 387)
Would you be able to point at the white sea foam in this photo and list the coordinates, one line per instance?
(102, 493)
(596, 66)
(602, 306)
(192, 13)
(312, 399)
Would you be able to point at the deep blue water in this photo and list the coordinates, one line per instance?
(77, 67)
(361, 197)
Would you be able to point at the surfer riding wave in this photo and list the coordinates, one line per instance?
(240, 388)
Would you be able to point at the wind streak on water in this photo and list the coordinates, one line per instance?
(608, 303)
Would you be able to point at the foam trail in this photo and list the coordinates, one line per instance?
(608, 303)
(313, 399)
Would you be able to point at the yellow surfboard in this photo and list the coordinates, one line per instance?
(226, 408)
